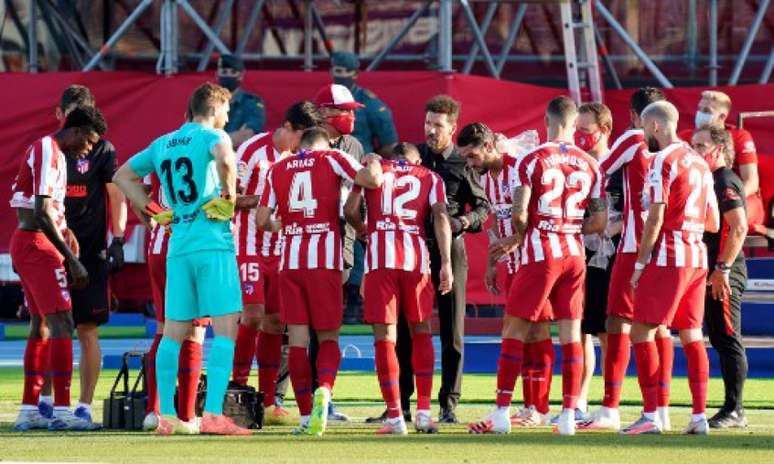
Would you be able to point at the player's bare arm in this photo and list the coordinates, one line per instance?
(521, 196)
(118, 210)
(712, 220)
(596, 221)
(749, 175)
(244, 202)
(352, 213)
(225, 162)
(736, 219)
(648, 241)
(44, 220)
(371, 175)
(443, 235)
(263, 219)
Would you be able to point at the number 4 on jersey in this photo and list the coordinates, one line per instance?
(301, 196)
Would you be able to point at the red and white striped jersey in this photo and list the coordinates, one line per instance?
(563, 179)
(498, 191)
(304, 191)
(43, 171)
(254, 158)
(159, 235)
(681, 179)
(397, 214)
(630, 153)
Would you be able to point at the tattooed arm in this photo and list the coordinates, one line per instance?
(596, 221)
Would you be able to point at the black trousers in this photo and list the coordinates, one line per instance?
(723, 320)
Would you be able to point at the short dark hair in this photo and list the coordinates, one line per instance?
(312, 136)
(405, 150)
(643, 97)
(475, 134)
(561, 108)
(78, 95)
(303, 115)
(205, 97)
(444, 104)
(87, 117)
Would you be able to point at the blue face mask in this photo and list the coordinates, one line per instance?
(703, 119)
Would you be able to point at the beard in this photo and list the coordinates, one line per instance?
(653, 145)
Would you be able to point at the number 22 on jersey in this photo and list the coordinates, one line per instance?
(558, 182)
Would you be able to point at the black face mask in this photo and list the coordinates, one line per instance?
(653, 146)
(231, 83)
(347, 82)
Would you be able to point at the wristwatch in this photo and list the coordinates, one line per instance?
(723, 267)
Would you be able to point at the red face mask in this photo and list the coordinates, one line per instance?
(711, 157)
(344, 122)
(586, 141)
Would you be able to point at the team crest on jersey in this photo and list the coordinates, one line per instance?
(82, 166)
(749, 146)
(65, 294)
(731, 194)
(248, 288)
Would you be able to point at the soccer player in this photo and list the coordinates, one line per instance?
(398, 274)
(553, 188)
(728, 279)
(190, 361)
(258, 254)
(670, 275)
(197, 170)
(44, 253)
(630, 156)
(304, 191)
(90, 194)
(477, 144)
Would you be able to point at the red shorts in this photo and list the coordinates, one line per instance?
(546, 314)
(561, 282)
(672, 296)
(42, 273)
(269, 267)
(157, 268)
(251, 279)
(388, 291)
(311, 297)
(620, 297)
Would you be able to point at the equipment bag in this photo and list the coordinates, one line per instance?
(125, 408)
(241, 403)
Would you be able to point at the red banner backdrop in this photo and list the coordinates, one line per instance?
(140, 107)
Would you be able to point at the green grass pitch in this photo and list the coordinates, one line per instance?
(357, 394)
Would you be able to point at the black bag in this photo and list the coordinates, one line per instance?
(125, 409)
(241, 403)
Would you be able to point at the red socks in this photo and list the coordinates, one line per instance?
(698, 374)
(508, 369)
(268, 352)
(423, 362)
(387, 371)
(189, 370)
(572, 373)
(301, 377)
(61, 356)
(543, 360)
(328, 359)
(35, 368)
(527, 368)
(647, 374)
(616, 361)
(243, 353)
(666, 359)
(150, 376)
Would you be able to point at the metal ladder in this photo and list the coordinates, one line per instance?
(582, 64)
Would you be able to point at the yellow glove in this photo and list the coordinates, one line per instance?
(160, 215)
(219, 209)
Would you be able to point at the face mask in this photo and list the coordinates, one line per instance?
(702, 119)
(653, 146)
(586, 141)
(229, 82)
(344, 122)
(711, 157)
(347, 82)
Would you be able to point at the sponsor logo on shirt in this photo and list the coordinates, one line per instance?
(77, 191)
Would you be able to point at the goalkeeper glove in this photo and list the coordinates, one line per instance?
(160, 215)
(219, 209)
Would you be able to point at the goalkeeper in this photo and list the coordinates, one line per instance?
(197, 170)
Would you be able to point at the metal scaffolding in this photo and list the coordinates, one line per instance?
(71, 36)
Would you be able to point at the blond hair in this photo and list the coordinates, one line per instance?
(602, 115)
(717, 97)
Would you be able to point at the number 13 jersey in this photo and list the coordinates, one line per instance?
(184, 164)
(304, 190)
(397, 214)
(563, 178)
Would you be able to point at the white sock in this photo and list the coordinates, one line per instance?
(60, 410)
(424, 411)
(504, 410)
(650, 415)
(85, 406)
(28, 407)
(46, 399)
(583, 405)
(663, 409)
(698, 417)
(304, 420)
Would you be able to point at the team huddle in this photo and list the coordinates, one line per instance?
(251, 242)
